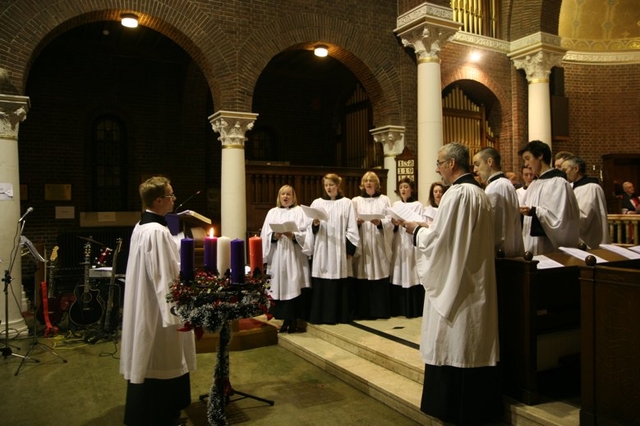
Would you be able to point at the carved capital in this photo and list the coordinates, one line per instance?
(426, 29)
(232, 127)
(537, 66)
(391, 138)
(13, 110)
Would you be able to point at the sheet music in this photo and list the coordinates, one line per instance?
(284, 227)
(400, 211)
(635, 248)
(370, 217)
(621, 251)
(580, 254)
(315, 213)
(546, 263)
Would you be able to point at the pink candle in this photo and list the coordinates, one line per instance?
(255, 255)
(211, 252)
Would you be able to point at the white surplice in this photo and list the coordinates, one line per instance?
(403, 253)
(506, 215)
(556, 209)
(373, 256)
(152, 346)
(594, 225)
(328, 245)
(287, 265)
(456, 265)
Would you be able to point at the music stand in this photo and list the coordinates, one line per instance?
(6, 350)
(35, 343)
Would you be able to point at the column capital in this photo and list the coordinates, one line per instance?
(391, 137)
(536, 54)
(426, 29)
(13, 110)
(232, 126)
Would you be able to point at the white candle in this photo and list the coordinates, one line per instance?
(224, 254)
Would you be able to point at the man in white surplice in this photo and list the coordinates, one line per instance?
(594, 225)
(504, 200)
(459, 341)
(551, 212)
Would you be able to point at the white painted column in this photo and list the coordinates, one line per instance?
(232, 127)
(426, 29)
(13, 110)
(392, 140)
(536, 55)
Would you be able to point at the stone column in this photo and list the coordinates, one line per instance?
(426, 29)
(232, 127)
(536, 55)
(392, 140)
(13, 110)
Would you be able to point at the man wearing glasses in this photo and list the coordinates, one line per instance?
(455, 260)
(156, 357)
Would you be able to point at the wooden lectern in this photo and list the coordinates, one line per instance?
(193, 225)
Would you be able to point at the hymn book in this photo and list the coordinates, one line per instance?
(315, 213)
(284, 227)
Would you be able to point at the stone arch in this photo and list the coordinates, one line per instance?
(526, 17)
(37, 23)
(348, 42)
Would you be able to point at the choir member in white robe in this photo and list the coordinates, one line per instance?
(551, 212)
(332, 244)
(156, 358)
(594, 225)
(371, 297)
(456, 264)
(436, 192)
(504, 201)
(527, 177)
(407, 294)
(287, 265)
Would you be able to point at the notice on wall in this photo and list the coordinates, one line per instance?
(6, 191)
(65, 212)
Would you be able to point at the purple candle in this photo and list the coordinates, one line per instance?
(211, 253)
(237, 261)
(187, 258)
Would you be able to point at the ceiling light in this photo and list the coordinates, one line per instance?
(475, 56)
(321, 51)
(129, 20)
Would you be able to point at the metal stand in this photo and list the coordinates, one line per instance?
(35, 343)
(6, 350)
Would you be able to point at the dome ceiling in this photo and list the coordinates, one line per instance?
(600, 25)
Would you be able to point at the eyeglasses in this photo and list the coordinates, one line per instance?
(439, 163)
(173, 196)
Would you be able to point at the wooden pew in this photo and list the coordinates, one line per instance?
(610, 361)
(536, 305)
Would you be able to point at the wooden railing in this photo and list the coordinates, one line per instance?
(264, 181)
(623, 228)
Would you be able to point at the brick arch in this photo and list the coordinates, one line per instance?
(37, 24)
(349, 43)
(531, 16)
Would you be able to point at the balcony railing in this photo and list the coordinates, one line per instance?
(623, 228)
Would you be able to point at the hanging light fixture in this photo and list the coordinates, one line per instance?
(321, 51)
(129, 20)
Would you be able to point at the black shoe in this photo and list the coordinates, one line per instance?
(285, 327)
(293, 326)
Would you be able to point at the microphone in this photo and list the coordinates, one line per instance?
(184, 202)
(29, 210)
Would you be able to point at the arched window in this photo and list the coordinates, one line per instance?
(108, 155)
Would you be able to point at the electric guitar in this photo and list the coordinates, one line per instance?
(50, 304)
(111, 314)
(88, 307)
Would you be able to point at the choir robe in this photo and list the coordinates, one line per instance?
(522, 192)
(594, 225)
(459, 338)
(556, 210)
(506, 215)
(371, 293)
(407, 294)
(287, 265)
(329, 243)
(153, 350)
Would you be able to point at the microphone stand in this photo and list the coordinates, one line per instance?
(6, 350)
